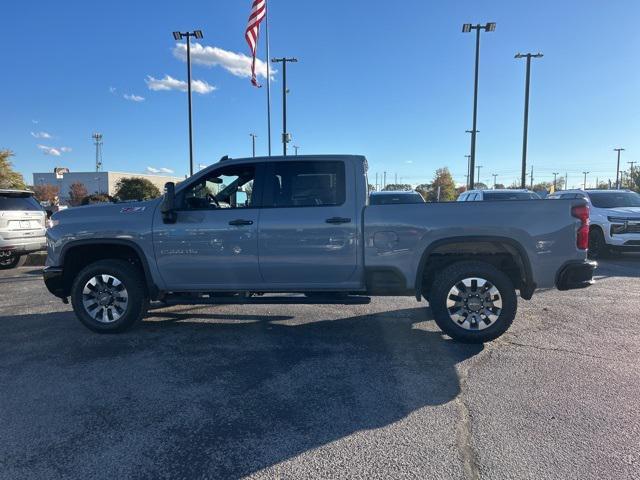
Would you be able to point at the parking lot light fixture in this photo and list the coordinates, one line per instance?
(467, 28)
(179, 36)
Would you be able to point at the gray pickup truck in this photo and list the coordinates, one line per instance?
(300, 230)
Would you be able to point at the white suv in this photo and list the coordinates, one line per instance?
(22, 227)
(615, 219)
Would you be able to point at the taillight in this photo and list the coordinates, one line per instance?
(581, 212)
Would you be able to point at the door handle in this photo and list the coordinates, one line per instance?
(240, 221)
(338, 220)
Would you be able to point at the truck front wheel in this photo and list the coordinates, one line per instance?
(109, 296)
(473, 302)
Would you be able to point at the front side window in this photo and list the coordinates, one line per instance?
(614, 199)
(305, 184)
(229, 187)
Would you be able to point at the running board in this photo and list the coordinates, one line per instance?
(267, 300)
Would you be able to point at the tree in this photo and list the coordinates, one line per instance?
(77, 192)
(397, 187)
(447, 186)
(371, 188)
(480, 186)
(47, 193)
(96, 198)
(136, 188)
(539, 187)
(424, 189)
(634, 180)
(8, 177)
(499, 186)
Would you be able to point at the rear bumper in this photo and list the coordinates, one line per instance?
(53, 279)
(24, 245)
(575, 274)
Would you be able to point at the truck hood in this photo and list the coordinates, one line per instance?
(633, 212)
(97, 210)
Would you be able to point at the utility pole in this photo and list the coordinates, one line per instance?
(179, 36)
(584, 186)
(566, 180)
(531, 178)
(253, 143)
(468, 166)
(466, 28)
(396, 181)
(494, 175)
(479, 167)
(376, 186)
(555, 177)
(528, 56)
(384, 180)
(618, 167)
(286, 137)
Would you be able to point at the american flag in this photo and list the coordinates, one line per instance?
(258, 10)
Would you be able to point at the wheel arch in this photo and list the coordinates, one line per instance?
(484, 247)
(79, 253)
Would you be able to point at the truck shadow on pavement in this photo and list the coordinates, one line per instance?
(190, 394)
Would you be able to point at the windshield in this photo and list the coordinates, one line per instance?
(510, 196)
(408, 197)
(19, 202)
(614, 199)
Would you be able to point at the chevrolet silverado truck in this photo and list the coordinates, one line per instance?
(300, 230)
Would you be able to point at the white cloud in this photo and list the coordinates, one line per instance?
(41, 135)
(408, 161)
(170, 83)
(237, 64)
(133, 98)
(112, 90)
(156, 171)
(53, 151)
(35, 122)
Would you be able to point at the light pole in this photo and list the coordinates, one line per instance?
(584, 185)
(466, 28)
(179, 36)
(253, 143)
(478, 167)
(295, 148)
(286, 137)
(555, 177)
(618, 167)
(528, 56)
(494, 175)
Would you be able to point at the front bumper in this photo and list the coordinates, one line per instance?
(54, 280)
(575, 274)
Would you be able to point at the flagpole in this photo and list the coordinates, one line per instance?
(266, 31)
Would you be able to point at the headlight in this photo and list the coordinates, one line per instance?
(52, 223)
(616, 228)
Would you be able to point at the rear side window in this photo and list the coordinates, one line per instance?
(20, 203)
(305, 184)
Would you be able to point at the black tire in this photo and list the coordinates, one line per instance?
(457, 272)
(133, 280)
(597, 245)
(12, 261)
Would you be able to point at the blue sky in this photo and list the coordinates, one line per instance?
(391, 80)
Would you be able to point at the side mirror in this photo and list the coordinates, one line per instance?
(167, 207)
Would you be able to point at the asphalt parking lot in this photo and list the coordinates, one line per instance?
(371, 391)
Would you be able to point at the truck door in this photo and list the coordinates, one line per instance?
(308, 225)
(214, 242)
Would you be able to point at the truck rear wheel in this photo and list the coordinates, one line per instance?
(109, 296)
(473, 302)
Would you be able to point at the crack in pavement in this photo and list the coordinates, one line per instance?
(554, 349)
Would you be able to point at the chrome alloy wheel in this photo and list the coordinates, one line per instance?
(474, 303)
(105, 298)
